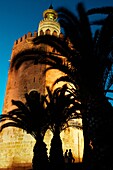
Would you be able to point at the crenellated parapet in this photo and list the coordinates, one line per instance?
(25, 42)
(26, 36)
(29, 36)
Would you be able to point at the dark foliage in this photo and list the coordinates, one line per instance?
(62, 105)
(88, 65)
(31, 117)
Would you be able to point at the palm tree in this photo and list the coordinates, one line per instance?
(95, 68)
(62, 105)
(31, 117)
(90, 58)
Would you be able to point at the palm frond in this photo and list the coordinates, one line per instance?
(102, 10)
(55, 42)
(66, 79)
(86, 34)
(20, 105)
(106, 34)
(13, 124)
(67, 18)
(99, 22)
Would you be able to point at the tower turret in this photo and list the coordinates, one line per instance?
(49, 24)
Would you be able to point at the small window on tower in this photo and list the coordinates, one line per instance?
(54, 33)
(34, 79)
(41, 32)
(47, 31)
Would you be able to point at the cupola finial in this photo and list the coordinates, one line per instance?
(51, 6)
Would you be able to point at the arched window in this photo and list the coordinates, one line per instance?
(41, 32)
(54, 33)
(48, 31)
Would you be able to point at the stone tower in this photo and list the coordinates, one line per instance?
(16, 147)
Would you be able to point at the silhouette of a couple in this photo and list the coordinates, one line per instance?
(68, 157)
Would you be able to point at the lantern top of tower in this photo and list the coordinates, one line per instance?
(50, 14)
(49, 24)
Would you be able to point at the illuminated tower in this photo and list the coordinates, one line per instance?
(16, 147)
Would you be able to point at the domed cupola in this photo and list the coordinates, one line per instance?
(49, 24)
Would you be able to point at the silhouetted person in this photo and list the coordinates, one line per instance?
(66, 156)
(70, 157)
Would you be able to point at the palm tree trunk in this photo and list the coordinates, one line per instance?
(40, 158)
(86, 152)
(56, 152)
(85, 122)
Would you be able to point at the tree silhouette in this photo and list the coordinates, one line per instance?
(31, 117)
(62, 106)
(88, 65)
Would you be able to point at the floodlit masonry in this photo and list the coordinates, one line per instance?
(16, 147)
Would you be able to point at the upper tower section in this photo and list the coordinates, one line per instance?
(49, 24)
